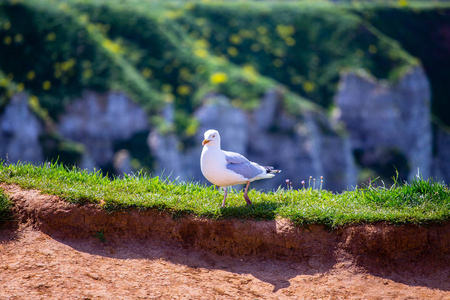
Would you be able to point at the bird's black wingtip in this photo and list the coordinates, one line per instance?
(270, 170)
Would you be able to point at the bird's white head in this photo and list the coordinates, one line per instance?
(212, 138)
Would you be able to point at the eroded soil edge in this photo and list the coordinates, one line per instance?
(376, 247)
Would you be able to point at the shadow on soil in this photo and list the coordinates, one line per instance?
(8, 231)
(425, 272)
(276, 272)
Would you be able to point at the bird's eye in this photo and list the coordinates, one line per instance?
(214, 136)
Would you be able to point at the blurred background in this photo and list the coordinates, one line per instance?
(348, 90)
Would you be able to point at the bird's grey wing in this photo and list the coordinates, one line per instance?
(235, 158)
(241, 165)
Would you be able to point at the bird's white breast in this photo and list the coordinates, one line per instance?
(213, 166)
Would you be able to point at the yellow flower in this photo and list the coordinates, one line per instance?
(232, 51)
(7, 40)
(146, 72)
(279, 52)
(87, 73)
(169, 98)
(7, 25)
(33, 101)
(57, 73)
(111, 46)
(290, 41)
(200, 52)
(277, 62)
(46, 85)
(285, 31)
(249, 69)
(246, 33)
(200, 48)
(222, 59)
(191, 129)
(68, 65)
(185, 74)
(31, 75)
(34, 104)
(261, 30)
(308, 86)
(250, 72)
(235, 39)
(18, 38)
(183, 90)
(218, 78)
(20, 87)
(402, 2)
(264, 39)
(202, 43)
(51, 37)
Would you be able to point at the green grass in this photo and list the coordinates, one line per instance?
(5, 207)
(419, 202)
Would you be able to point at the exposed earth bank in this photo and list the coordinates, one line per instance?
(66, 251)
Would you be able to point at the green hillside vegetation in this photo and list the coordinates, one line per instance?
(303, 46)
(419, 202)
(159, 52)
(425, 22)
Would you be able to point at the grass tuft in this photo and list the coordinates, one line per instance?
(418, 202)
(5, 207)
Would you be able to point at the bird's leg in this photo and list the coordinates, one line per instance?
(247, 199)
(225, 195)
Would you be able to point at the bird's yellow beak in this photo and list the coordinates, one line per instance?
(205, 142)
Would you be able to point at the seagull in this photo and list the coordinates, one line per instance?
(225, 168)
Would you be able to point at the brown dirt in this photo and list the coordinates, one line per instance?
(63, 251)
